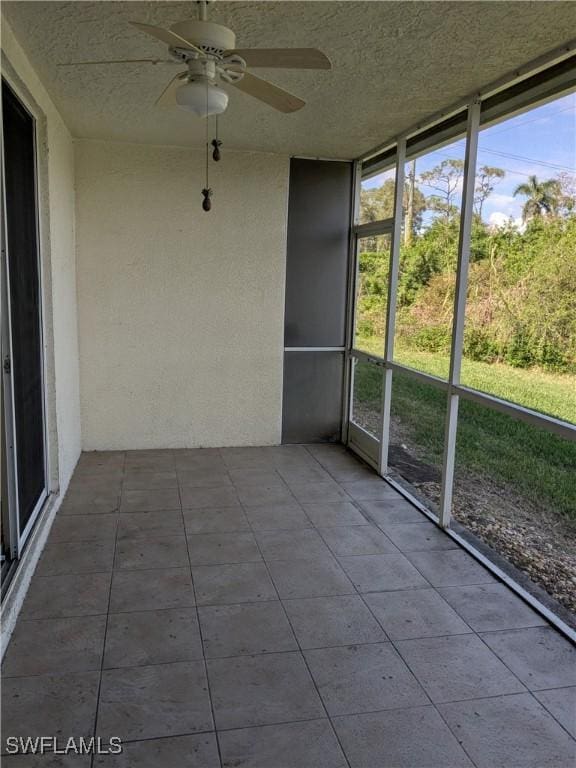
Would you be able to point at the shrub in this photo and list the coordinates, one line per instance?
(435, 338)
(480, 346)
(521, 305)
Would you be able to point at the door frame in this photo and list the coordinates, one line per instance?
(357, 438)
(17, 536)
(10, 514)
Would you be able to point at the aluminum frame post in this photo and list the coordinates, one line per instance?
(466, 216)
(391, 306)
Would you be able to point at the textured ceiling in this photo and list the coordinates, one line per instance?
(394, 63)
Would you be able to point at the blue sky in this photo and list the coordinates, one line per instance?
(541, 141)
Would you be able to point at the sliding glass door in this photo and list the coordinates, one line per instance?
(22, 338)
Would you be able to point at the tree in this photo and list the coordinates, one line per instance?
(378, 203)
(567, 196)
(445, 179)
(486, 180)
(542, 197)
(410, 188)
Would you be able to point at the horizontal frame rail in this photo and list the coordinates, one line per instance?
(314, 349)
(537, 419)
(427, 378)
(366, 357)
(371, 228)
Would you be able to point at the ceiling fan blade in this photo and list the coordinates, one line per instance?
(168, 96)
(268, 93)
(120, 61)
(284, 58)
(168, 37)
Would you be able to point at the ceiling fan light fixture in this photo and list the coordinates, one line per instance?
(201, 99)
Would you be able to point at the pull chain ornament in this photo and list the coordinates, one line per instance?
(216, 143)
(207, 202)
(216, 154)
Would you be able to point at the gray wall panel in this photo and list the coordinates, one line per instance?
(317, 258)
(313, 390)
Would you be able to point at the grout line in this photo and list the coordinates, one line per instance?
(205, 665)
(549, 629)
(546, 690)
(545, 626)
(97, 712)
(107, 669)
(224, 730)
(301, 650)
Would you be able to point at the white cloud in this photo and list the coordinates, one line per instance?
(507, 202)
(500, 219)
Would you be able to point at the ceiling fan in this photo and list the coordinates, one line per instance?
(208, 51)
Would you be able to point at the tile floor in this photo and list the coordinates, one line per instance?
(275, 608)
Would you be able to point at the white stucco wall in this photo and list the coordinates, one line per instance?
(181, 312)
(56, 161)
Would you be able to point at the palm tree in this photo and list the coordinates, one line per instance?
(542, 197)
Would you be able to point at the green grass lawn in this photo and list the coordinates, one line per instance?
(550, 393)
(527, 460)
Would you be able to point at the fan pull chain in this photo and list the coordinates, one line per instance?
(216, 143)
(207, 192)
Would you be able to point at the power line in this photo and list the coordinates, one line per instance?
(508, 170)
(554, 166)
(504, 168)
(533, 120)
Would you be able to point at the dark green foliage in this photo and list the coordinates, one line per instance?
(542, 197)
(378, 203)
(521, 305)
(478, 345)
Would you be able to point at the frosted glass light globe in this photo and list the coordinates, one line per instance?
(201, 99)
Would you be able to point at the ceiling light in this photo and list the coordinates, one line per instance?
(202, 98)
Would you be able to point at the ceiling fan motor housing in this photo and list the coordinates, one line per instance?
(212, 38)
